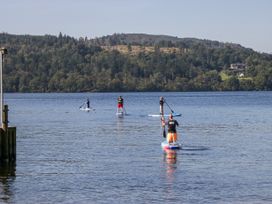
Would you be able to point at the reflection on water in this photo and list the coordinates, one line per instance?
(7, 177)
(170, 158)
(7, 169)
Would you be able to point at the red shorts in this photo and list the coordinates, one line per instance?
(120, 105)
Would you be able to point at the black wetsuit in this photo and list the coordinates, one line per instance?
(88, 104)
(172, 126)
(161, 102)
(161, 106)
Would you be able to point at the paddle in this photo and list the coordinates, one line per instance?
(82, 105)
(169, 107)
(164, 132)
(163, 122)
(163, 126)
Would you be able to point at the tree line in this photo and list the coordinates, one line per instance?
(66, 64)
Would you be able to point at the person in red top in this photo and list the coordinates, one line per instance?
(120, 103)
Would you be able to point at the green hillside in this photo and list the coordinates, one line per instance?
(130, 62)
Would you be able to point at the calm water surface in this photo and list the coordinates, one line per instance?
(65, 155)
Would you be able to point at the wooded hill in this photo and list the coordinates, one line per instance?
(130, 62)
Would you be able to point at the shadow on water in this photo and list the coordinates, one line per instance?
(7, 176)
(194, 148)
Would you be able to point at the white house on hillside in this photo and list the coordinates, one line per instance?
(238, 67)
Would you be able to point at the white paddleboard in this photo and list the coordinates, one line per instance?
(167, 115)
(174, 145)
(85, 109)
(120, 113)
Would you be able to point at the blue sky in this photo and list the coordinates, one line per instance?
(246, 22)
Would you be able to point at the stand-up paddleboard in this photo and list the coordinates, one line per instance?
(85, 109)
(174, 145)
(167, 115)
(120, 112)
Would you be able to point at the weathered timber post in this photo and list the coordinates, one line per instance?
(3, 52)
(7, 134)
(4, 138)
(5, 118)
(12, 135)
(7, 139)
(4, 135)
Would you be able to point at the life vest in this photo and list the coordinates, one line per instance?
(120, 100)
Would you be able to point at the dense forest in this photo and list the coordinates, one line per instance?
(130, 62)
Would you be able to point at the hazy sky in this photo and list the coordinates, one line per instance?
(246, 22)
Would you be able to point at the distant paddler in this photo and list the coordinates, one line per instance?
(161, 105)
(120, 105)
(88, 103)
(162, 116)
(86, 106)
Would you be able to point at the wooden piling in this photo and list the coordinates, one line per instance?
(5, 118)
(7, 139)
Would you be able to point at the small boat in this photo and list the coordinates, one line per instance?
(173, 146)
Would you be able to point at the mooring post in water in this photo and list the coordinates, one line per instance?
(3, 52)
(4, 135)
(5, 118)
(7, 134)
(7, 139)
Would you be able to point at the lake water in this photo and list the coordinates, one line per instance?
(65, 155)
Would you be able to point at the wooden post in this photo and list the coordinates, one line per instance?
(7, 135)
(4, 135)
(4, 146)
(1, 143)
(12, 141)
(7, 139)
(5, 118)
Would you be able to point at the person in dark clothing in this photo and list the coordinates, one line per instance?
(88, 103)
(172, 131)
(161, 105)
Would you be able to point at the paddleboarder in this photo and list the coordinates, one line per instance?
(172, 131)
(85, 106)
(88, 103)
(161, 105)
(120, 104)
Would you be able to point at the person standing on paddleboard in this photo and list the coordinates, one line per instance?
(88, 103)
(161, 105)
(120, 104)
(162, 115)
(172, 131)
